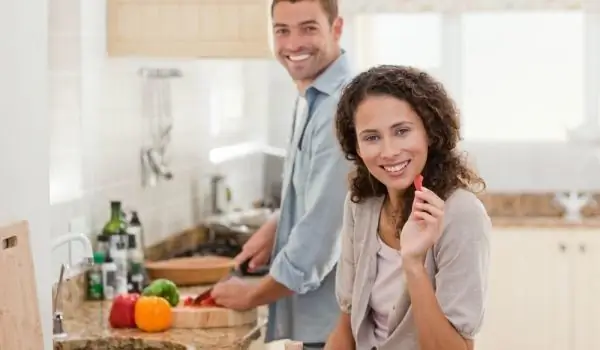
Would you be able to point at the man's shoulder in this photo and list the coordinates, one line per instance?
(328, 103)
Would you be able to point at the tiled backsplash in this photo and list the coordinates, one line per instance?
(97, 125)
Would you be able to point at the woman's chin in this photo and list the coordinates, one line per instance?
(397, 183)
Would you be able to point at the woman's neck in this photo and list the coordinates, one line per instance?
(395, 200)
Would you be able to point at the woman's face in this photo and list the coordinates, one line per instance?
(392, 141)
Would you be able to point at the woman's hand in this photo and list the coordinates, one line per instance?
(423, 227)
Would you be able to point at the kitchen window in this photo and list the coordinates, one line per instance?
(516, 76)
(408, 39)
(523, 75)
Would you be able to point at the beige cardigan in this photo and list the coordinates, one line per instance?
(457, 266)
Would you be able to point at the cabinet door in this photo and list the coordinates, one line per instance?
(188, 28)
(529, 295)
(586, 291)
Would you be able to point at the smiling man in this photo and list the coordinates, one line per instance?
(303, 240)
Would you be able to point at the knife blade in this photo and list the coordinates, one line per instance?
(236, 271)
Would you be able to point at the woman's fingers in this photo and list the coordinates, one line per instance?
(428, 196)
(428, 208)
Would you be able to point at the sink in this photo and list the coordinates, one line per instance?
(117, 343)
(244, 222)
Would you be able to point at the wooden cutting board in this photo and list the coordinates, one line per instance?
(210, 317)
(20, 326)
(191, 271)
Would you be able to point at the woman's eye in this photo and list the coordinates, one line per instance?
(371, 138)
(402, 131)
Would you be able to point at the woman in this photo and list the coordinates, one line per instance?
(413, 272)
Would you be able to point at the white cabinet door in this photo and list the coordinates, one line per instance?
(529, 296)
(586, 291)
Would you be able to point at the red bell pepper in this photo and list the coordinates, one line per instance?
(122, 311)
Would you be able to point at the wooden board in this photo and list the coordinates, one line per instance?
(191, 271)
(20, 326)
(210, 317)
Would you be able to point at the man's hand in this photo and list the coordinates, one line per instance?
(259, 246)
(234, 293)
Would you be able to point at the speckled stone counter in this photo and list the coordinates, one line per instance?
(87, 328)
(544, 222)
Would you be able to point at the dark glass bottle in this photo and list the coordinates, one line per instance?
(115, 229)
(114, 226)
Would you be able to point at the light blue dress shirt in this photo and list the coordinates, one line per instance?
(307, 245)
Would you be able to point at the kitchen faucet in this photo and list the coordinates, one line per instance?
(88, 261)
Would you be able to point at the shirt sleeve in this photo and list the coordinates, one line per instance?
(313, 248)
(462, 257)
(345, 269)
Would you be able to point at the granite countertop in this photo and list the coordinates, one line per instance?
(88, 328)
(544, 222)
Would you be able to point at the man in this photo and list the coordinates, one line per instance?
(303, 239)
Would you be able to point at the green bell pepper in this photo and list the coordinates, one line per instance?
(163, 288)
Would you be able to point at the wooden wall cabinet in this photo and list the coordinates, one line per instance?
(189, 28)
(544, 290)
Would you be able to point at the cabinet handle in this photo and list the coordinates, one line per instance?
(582, 248)
(562, 247)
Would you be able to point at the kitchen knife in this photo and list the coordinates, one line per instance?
(238, 271)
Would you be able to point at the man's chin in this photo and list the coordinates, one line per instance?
(300, 76)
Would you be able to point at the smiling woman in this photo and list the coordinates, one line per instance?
(419, 250)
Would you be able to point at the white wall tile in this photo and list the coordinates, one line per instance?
(96, 103)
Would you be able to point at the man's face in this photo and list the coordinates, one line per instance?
(305, 41)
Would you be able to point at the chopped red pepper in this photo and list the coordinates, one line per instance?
(419, 182)
(210, 301)
(203, 301)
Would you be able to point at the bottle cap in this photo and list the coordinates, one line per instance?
(99, 258)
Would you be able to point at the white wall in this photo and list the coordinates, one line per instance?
(24, 135)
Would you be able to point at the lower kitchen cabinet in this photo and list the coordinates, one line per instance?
(544, 290)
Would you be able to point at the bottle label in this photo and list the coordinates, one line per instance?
(95, 286)
(110, 284)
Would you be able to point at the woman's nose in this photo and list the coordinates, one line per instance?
(388, 148)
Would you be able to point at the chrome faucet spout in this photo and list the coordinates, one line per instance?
(79, 237)
(88, 260)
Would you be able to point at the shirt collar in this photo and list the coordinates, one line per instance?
(333, 76)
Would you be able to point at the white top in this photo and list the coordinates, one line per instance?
(387, 288)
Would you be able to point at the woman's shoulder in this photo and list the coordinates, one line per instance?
(465, 217)
(464, 202)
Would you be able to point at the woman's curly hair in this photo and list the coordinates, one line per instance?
(445, 169)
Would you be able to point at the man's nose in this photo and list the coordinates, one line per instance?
(294, 43)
